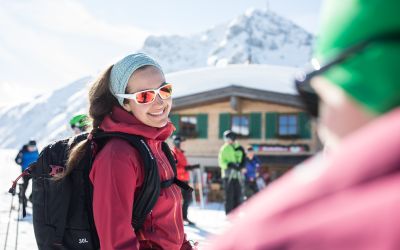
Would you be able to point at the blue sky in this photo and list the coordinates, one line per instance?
(186, 16)
(45, 44)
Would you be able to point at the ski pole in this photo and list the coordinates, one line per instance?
(18, 218)
(200, 179)
(22, 198)
(8, 224)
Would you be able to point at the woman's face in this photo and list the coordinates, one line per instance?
(153, 114)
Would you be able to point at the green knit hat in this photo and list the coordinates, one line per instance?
(371, 77)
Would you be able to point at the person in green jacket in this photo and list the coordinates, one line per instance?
(230, 160)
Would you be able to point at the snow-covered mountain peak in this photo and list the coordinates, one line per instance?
(256, 37)
(263, 37)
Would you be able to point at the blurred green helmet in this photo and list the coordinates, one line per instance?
(80, 121)
(372, 75)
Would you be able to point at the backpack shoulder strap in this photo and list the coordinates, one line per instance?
(168, 153)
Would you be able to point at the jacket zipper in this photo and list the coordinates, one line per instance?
(159, 156)
(175, 209)
(151, 222)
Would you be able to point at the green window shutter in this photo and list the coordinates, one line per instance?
(224, 123)
(202, 125)
(304, 125)
(175, 120)
(255, 125)
(271, 123)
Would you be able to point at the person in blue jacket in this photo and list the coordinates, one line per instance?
(252, 166)
(26, 156)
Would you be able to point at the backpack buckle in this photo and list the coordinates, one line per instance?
(56, 170)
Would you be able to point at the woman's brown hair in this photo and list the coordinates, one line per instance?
(101, 103)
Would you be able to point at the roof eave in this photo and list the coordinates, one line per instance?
(221, 94)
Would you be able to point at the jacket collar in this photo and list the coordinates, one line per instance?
(121, 120)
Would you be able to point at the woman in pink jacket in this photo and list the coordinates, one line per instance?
(132, 97)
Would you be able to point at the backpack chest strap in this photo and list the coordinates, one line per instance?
(179, 183)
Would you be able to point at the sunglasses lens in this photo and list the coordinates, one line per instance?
(309, 98)
(166, 91)
(311, 101)
(145, 96)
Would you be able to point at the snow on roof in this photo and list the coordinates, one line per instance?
(265, 77)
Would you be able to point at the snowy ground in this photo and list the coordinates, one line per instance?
(208, 221)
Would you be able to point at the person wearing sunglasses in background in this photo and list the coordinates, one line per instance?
(231, 158)
(132, 97)
(80, 123)
(347, 198)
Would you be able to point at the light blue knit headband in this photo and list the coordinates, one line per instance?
(124, 68)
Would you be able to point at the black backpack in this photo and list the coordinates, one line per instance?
(18, 158)
(62, 209)
(242, 163)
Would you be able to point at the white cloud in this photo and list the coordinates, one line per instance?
(47, 43)
(68, 17)
(71, 18)
(13, 93)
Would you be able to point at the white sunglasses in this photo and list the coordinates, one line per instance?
(148, 96)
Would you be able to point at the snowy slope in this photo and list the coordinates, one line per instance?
(8, 171)
(257, 37)
(45, 118)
